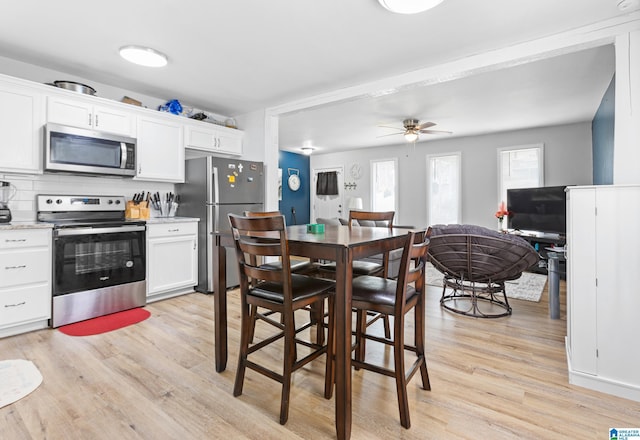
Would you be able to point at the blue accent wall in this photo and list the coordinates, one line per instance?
(298, 200)
(602, 129)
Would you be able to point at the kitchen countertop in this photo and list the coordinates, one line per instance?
(33, 224)
(161, 220)
(24, 225)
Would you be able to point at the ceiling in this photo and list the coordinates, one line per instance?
(234, 57)
(560, 90)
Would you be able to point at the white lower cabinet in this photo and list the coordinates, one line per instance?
(603, 257)
(25, 280)
(172, 259)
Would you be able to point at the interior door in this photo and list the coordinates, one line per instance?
(327, 206)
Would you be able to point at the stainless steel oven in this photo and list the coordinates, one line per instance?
(98, 257)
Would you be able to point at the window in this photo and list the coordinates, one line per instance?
(443, 189)
(520, 167)
(383, 184)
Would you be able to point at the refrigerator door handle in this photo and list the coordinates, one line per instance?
(214, 196)
(216, 217)
(209, 249)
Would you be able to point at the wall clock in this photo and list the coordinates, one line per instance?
(356, 171)
(294, 182)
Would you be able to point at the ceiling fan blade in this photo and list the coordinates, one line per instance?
(388, 126)
(425, 125)
(392, 134)
(436, 132)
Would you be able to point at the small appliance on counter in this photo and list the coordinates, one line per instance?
(7, 192)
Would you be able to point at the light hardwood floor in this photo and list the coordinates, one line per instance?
(491, 379)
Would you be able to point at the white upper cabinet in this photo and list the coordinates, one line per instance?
(214, 138)
(161, 138)
(21, 121)
(160, 150)
(85, 114)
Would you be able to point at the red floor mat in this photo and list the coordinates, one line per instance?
(106, 323)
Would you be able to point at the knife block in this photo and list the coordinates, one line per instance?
(140, 211)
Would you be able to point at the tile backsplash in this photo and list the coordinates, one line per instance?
(23, 205)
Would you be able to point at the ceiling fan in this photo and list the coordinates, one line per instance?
(413, 128)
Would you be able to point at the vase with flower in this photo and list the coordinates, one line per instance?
(502, 214)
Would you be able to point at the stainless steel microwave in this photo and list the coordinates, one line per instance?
(78, 150)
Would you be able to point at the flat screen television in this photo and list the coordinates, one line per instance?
(538, 209)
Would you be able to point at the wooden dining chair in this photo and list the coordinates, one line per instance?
(276, 289)
(365, 218)
(396, 298)
(360, 267)
(297, 266)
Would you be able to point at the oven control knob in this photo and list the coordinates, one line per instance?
(117, 202)
(59, 201)
(49, 201)
(110, 202)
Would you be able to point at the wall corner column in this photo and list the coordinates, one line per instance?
(626, 160)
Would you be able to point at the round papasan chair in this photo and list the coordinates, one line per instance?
(476, 262)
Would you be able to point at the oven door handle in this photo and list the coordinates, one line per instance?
(90, 231)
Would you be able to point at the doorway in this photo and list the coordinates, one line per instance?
(327, 206)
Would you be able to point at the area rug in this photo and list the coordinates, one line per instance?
(18, 378)
(106, 323)
(528, 287)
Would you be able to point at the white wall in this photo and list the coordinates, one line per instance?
(567, 154)
(626, 156)
(23, 205)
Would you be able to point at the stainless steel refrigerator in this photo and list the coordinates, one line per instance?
(214, 188)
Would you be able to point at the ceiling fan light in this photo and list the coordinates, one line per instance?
(143, 56)
(409, 6)
(411, 136)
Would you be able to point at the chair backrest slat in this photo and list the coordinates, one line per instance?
(261, 213)
(374, 216)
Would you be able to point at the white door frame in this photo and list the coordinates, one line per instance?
(312, 191)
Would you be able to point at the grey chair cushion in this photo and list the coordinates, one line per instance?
(329, 221)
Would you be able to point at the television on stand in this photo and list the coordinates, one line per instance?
(539, 215)
(538, 210)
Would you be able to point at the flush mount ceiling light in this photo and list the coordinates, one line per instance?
(409, 6)
(628, 5)
(307, 150)
(144, 56)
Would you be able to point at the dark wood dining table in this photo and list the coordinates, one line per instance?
(341, 244)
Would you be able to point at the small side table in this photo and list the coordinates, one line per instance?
(554, 255)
